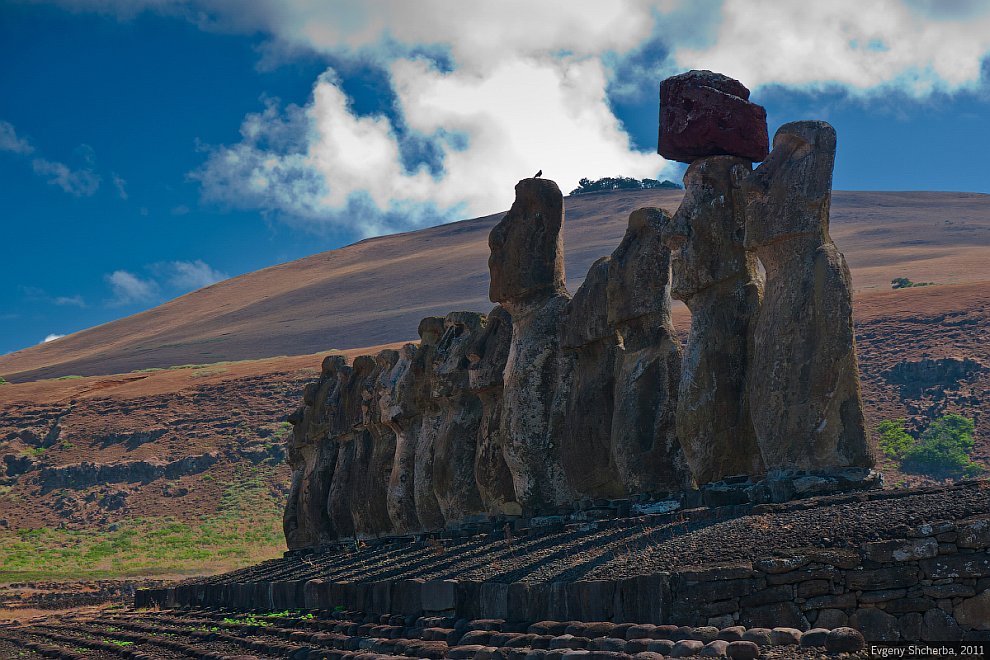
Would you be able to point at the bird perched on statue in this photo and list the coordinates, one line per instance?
(538, 174)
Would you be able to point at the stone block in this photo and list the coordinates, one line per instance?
(974, 613)
(957, 566)
(439, 595)
(494, 600)
(973, 533)
(786, 614)
(901, 550)
(894, 577)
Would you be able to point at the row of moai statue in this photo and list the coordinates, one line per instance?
(550, 399)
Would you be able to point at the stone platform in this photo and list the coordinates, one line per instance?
(895, 564)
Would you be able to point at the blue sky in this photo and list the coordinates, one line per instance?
(150, 147)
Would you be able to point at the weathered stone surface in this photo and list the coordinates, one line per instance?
(901, 550)
(455, 443)
(374, 452)
(406, 418)
(591, 347)
(488, 356)
(844, 640)
(645, 452)
(527, 279)
(718, 280)
(939, 626)
(974, 612)
(875, 624)
(803, 385)
(742, 650)
(831, 618)
(706, 114)
(312, 456)
(974, 533)
(956, 566)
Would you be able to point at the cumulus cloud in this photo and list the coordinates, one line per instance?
(489, 92)
(189, 275)
(129, 289)
(119, 184)
(74, 301)
(325, 164)
(10, 141)
(81, 183)
(51, 337)
(854, 44)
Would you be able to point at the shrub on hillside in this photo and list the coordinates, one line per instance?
(894, 441)
(905, 283)
(621, 183)
(942, 450)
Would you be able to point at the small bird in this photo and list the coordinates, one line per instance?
(538, 174)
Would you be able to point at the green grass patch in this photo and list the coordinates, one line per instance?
(246, 528)
(73, 377)
(4, 381)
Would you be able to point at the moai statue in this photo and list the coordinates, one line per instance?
(488, 355)
(431, 417)
(454, 445)
(400, 414)
(374, 451)
(527, 279)
(312, 455)
(349, 427)
(719, 282)
(645, 452)
(591, 347)
(409, 399)
(804, 385)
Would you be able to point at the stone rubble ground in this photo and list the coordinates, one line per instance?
(225, 635)
(632, 547)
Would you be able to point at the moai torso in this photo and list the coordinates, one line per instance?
(488, 357)
(590, 348)
(719, 282)
(645, 452)
(527, 279)
(454, 445)
(804, 384)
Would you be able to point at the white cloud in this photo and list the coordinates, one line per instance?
(9, 141)
(129, 289)
(74, 301)
(525, 85)
(81, 183)
(324, 164)
(189, 275)
(119, 184)
(859, 45)
(51, 337)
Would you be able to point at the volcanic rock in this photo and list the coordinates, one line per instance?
(708, 114)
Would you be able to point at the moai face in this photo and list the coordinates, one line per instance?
(527, 245)
(450, 362)
(639, 270)
(790, 193)
(706, 234)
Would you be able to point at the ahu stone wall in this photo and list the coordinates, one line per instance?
(553, 398)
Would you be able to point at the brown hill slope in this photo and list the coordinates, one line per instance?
(376, 291)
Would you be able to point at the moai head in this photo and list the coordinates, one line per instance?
(331, 365)
(375, 384)
(391, 410)
(791, 192)
(450, 361)
(527, 245)
(413, 388)
(639, 270)
(586, 320)
(706, 234)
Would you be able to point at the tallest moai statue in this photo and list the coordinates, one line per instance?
(804, 384)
